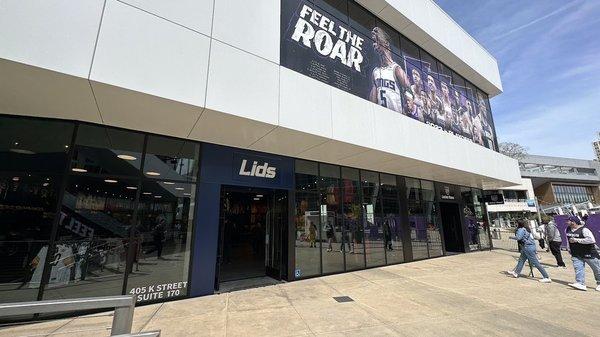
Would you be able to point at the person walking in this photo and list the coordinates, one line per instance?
(554, 242)
(528, 252)
(582, 245)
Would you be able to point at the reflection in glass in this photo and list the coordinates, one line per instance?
(161, 242)
(307, 220)
(352, 220)
(308, 241)
(104, 150)
(374, 234)
(331, 225)
(391, 219)
(416, 219)
(27, 208)
(434, 237)
(28, 145)
(174, 159)
(89, 257)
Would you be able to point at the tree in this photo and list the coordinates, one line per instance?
(513, 150)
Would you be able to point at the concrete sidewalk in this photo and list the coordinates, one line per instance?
(462, 295)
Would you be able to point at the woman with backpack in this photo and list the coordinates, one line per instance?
(528, 252)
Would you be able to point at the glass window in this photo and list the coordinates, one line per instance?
(308, 239)
(428, 64)
(394, 38)
(161, 242)
(371, 219)
(307, 219)
(434, 237)
(172, 159)
(27, 208)
(331, 224)
(107, 151)
(391, 219)
(93, 238)
(410, 51)
(28, 145)
(352, 220)
(307, 175)
(337, 8)
(417, 217)
(445, 73)
(459, 83)
(361, 19)
(470, 218)
(482, 221)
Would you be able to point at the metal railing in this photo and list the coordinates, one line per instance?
(122, 319)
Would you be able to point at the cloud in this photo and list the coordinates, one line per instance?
(533, 22)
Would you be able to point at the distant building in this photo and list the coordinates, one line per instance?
(519, 202)
(562, 182)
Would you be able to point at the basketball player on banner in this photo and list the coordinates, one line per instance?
(390, 81)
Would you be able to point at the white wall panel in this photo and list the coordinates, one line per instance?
(252, 26)
(305, 104)
(242, 84)
(142, 52)
(352, 119)
(53, 34)
(194, 14)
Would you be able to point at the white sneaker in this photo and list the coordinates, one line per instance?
(546, 280)
(598, 288)
(578, 286)
(512, 273)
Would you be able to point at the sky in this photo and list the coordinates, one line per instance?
(549, 57)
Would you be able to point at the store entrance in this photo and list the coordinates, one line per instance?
(453, 232)
(253, 233)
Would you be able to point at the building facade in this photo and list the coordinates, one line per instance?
(563, 182)
(518, 202)
(165, 150)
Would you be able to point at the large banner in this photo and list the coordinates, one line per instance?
(317, 44)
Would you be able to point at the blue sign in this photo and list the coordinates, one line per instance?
(530, 203)
(298, 273)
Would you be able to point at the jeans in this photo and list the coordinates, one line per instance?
(555, 249)
(579, 265)
(529, 253)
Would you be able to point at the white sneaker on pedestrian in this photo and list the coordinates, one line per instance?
(578, 286)
(512, 273)
(546, 280)
(598, 288)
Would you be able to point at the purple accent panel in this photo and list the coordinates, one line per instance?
(593, 223)
(561, 224)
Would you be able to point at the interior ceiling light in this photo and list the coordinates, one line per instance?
(187, 194)
(152, 173)
(168, 183)
(256, 199)
(110, 181)
(126, 157)
(158, 196)
(147, 193)
(76, 169)
(131, 188)
(179, 188)
(259, 195)
(16, 179)
(21, 151)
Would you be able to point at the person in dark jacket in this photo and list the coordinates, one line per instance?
(554, 242)
(528, 253)
(582, 245)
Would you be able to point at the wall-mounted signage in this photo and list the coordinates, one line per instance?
(360, 55)
(447, 193)
(257, 169)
